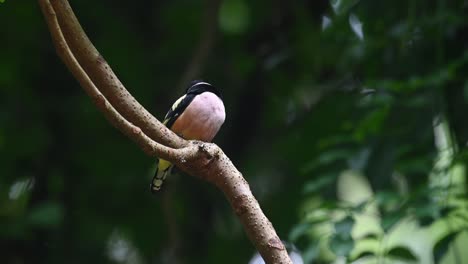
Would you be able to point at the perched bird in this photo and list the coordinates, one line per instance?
(197, 115)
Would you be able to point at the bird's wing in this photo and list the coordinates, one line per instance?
(177, 109)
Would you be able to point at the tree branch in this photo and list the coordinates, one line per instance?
(147, 144)
(204, 160)
(193, 71)
(102, 75)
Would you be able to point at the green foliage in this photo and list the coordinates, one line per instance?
(347, 118)
(341, 242)
(442, 246)
(401, 253)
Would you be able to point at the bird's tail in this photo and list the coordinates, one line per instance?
(163, 169)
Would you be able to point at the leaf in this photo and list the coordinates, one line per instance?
(402, 253)
(363, 255)
(360, 207)
(332, 205)
(386, 199)
(298, 231)
(461, 214)
(370, 236)
(327, 158)
(341, 246)
(429, 209)
(444, 211)
(320, 183)
(344, 227)
(426, 214)
(390, 219)
(353, 188)
(442, 246)
(314, 219)
(341, 242)
(371, 123)
(312, 252)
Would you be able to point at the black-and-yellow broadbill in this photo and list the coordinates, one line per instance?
(197, 115)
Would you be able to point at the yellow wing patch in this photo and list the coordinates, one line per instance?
(164, 165)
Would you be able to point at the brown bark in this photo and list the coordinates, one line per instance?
(204, 160)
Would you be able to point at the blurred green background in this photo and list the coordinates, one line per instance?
(348, 118)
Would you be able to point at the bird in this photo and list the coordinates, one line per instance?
(196, 115)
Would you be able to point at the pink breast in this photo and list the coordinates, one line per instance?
(202, 119)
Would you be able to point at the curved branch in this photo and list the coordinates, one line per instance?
(205, 160)
(151, 147)
(102, 75)
(192, 71)
(218, 169)
(205, 44)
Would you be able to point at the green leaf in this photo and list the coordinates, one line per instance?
(402, 253)
(344, 227)
(387, 199)
(298, 231)
(371, 124)
(341, 246)
(390, 219)
(370, 236)
(327, 158)
(360, 207)
(442, 246)
(341, 242)
(430, 209)
(426, 214)
(312, 252)
(363, 255)
(320, 183)
(445, 210)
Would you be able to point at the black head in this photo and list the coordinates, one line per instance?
(198, 87)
